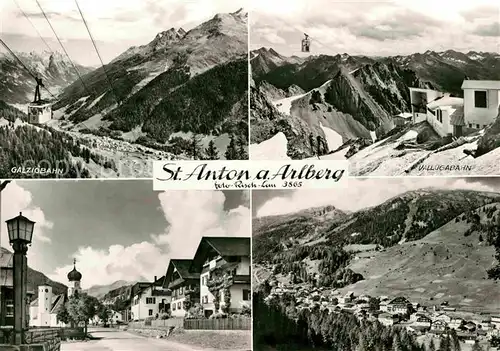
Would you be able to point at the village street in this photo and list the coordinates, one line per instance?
(107, 339)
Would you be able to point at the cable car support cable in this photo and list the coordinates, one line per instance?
(33, 25)
(98, 54)
(62, 46)
(24, 66)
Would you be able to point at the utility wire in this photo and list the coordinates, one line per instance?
(97, 51)
(62, 46)
(33, 25)
(24, 66)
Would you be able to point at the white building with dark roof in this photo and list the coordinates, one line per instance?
(457, 116)
(44, 309)
(481, 101)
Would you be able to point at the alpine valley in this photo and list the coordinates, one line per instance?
(183, 95)
(350, 104)
(437, 249)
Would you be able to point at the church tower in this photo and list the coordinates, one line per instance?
(74, 278)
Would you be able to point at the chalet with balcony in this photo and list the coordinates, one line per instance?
(223, 265)
(399, 305)
(184, 286)
(149, 299)
(439, 326)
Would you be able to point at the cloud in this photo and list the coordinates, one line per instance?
(361, 194)
(488, 30)
(16, 199)
(110, 20)
(190, 214)
(404, 26)
(194, 214)
(139, 261)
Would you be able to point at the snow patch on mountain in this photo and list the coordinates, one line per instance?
(333, 139)
(96, 100)
(274, 149)
(285, 105)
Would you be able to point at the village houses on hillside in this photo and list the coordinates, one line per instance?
(398, 310)
(217, 278)
(457, 116)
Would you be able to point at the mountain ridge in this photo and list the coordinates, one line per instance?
(210, 57)
(435, 227)
(356, 97)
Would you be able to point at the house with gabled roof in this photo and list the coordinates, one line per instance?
(223, 264)
(184, 286)
(399, 305)
(149, 299)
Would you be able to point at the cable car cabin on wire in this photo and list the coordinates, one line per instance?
(306, 43)
(39, 111)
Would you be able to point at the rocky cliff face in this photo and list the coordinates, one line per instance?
(266, 121)
(18, 86)
(355, 96)
(491, 138)
(191, 81)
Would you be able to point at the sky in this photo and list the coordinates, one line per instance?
(116, 25)
(375, 28)
(358, 194)
(118, 230)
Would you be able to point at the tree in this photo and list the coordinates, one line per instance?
(432, 346)
(455, 341)
(477, 347)
(374, 304)
(231, 151)
(104, 313)
(82, 308)
(211, 151)
(63, 315)
(242, 149)
(311, 143)
(195, 147)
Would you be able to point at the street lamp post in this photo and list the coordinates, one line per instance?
(20, 231)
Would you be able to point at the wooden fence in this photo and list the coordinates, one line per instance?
(158, 323)
(218, 324)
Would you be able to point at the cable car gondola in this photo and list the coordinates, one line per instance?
(306, 43)
(39, 111)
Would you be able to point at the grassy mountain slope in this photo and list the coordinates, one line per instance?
(179, 82)
(429, 238)
(449, 264)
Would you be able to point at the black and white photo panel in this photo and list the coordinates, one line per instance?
(101, 89)
(386, 264)
(113, 265)
(395, 87)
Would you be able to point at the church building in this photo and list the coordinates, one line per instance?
(44, 309)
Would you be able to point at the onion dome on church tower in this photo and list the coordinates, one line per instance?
(74, 275)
